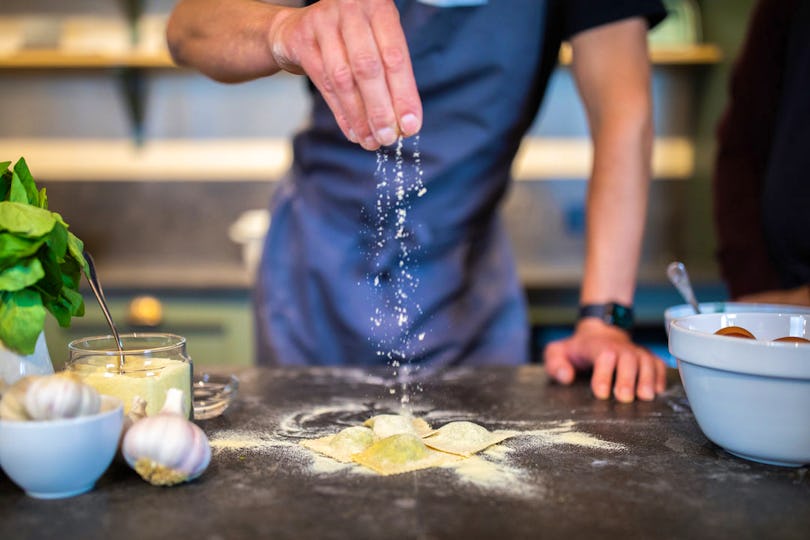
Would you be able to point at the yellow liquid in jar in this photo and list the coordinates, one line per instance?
(149, 378)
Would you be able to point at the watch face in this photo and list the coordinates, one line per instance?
(610, 313)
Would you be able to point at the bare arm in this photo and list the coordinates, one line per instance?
(354, 51)
(611, 67)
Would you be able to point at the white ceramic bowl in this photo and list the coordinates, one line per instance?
(684, 310)
(61, 458)
(751, 397)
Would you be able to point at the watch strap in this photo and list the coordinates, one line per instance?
(610, 313)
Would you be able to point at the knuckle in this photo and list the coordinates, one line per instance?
(379, 117)
(367, 66)
(393, 58)
(342, 78)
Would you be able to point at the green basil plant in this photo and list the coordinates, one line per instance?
(41, 262)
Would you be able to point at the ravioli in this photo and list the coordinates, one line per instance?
(342, 445)
(386, 425)
(392, 443)
(400, 453)
(464, 438)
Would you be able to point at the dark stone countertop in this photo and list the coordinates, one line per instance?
(562, 478)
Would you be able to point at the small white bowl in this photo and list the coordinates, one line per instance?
(53, 459)
(749, 396)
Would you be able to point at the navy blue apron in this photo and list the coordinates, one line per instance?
(481, 70)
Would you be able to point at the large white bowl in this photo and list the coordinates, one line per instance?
(751, 397)
(61, 458)
(685, 310)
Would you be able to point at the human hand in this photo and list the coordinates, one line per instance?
(799, 296)
(610, 351)
(355, 53)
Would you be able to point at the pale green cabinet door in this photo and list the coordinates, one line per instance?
(218, 328)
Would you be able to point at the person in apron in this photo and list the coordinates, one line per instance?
(399, 256)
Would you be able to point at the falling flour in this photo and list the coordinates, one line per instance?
(399, 180)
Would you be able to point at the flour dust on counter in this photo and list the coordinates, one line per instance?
(511, 466)
(392, 283)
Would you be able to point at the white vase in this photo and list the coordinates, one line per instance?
(14, 366)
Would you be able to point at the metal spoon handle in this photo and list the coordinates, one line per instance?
(95, 284)
(677, 274)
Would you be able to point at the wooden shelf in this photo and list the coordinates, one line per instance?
(699, 54)
(55, 59)
(262, 159)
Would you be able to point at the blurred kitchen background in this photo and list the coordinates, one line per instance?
(165, 174)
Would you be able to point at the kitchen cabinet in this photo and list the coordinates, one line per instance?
(218, 326)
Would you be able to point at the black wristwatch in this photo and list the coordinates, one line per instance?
(610, 313)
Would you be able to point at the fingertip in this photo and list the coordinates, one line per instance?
(409, 124)
(370, 143)
(564, 375)
(646, 393)
(601, 391)
(623, 395)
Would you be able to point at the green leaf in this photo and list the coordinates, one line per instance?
(60, 310)
(5, 180)
(51, 281)
(13, 248)
(75, 300)
(17, 192)
(43, 199)
(71, 273)
(76, 250)
(22, 318)
(21, 275)
(25, 219)
(24, 174)
(57, 242)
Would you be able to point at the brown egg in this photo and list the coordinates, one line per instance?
(793, 339)
(735, 331)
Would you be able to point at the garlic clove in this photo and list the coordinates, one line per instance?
(136, 412)
(166, 448)
(12, 405)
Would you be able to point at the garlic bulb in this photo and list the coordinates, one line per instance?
(166, 448)
(49, 397)
(61, 395)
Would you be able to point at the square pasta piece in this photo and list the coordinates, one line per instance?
(464, 438)
(385, 425)
(401, 453)
(342, 445)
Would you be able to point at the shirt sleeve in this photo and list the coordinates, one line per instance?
(580, 15)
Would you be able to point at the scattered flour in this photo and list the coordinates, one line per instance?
(565, 433)
(494, 469)
(245, 440)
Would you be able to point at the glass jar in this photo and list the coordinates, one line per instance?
(151, 363)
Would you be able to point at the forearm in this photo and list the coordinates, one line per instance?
(616, 210)
(227, 40)
(613, 75)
